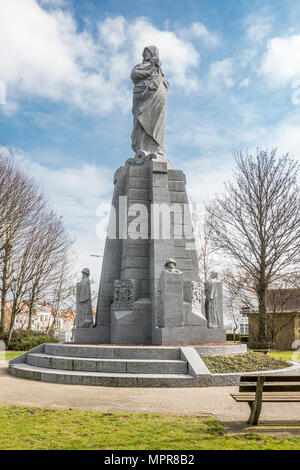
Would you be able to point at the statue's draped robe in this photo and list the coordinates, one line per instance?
(149, 108)
(84, 313)
(213, 316)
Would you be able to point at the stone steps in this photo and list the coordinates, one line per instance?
(113, 365)
(104, 379)
(107, 365)
(114, 352)
(125, 366)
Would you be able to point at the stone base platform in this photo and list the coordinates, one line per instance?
(115, 365)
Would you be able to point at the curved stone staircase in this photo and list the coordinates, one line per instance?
(116, 366)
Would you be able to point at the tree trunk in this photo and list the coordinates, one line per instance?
(11, 325)
(4, 289)
(262, 310)
(30, 313)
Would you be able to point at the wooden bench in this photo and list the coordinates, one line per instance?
(256, 389)
(261, 351)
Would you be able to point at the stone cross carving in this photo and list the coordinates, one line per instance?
(149, 104)
(84, 312)
(214, 301)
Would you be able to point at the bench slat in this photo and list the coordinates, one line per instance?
(271, 378)
(267, 398)
(272, 387)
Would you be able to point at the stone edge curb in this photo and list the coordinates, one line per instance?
(228, 379)
(23, 357)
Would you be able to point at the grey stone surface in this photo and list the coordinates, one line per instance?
(103, 379)
(171, 299)
(226, 380)
(196, 366)
(221, 350)
(23, 357)
(129, 366)
(134, 366)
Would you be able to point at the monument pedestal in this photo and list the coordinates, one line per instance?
(139, 301)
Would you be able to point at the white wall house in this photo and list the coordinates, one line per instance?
(41, 319)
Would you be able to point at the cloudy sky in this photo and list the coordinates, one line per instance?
(234, 73)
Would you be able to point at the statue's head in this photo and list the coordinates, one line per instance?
(170, 263)
(151, 53)
(86, 271)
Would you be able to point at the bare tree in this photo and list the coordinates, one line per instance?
(61, 296)
(257, 221)
(20, 202)
(35, 256)
(239, 295)
(52, 246)
(204, 246)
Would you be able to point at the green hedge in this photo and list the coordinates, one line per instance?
(238, 337)
(24, 340)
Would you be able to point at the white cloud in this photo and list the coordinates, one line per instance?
(258, 27)
(179, 57)
(247, 57)
(76, 194)
(10, 108)
(199, 31)
(281, 64)
(46, 56)
(53, 3)
(287, 138)
(245, 83)
(112, 32)
(221, 74)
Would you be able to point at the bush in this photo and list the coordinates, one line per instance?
(238, 337)
(244, 339)
(24, 340)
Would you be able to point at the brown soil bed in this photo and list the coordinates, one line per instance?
(249, 362)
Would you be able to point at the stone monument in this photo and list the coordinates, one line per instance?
(150, 289)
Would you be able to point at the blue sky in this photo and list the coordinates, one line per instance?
(234, 74)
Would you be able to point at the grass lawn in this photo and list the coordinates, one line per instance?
(12, 354)
(285, 355)
(243, 363)
(36, 428)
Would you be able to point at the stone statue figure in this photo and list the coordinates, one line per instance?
(84, 312)
(170, 266)
(214, 301)
(170, 289)
(149, 104)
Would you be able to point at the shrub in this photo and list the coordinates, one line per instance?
(24, 340)
(238, 337)
(244, 339)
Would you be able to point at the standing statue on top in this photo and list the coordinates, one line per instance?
(149, 104)
(84, 311)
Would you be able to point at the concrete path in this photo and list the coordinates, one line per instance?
(214, 401)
